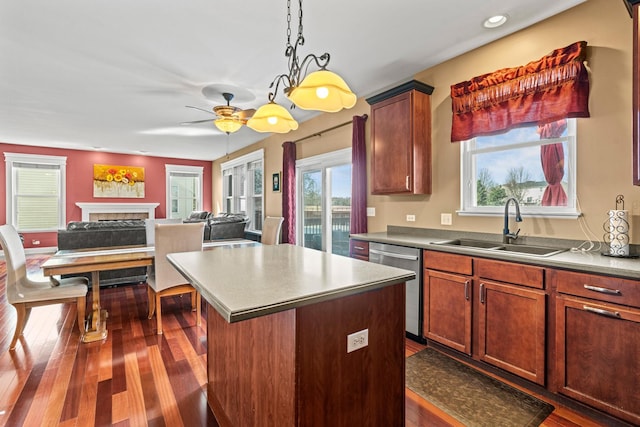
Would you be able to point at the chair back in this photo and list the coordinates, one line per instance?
(15, 258)
(173, 238)
(150, 227)
(271, 230)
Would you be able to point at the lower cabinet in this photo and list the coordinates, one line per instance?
(598, 342)
(359, 249)
(447, 317)
(511, 332)
(498, 307)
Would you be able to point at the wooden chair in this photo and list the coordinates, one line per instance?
(271, 230)
(163, 279)
(24, 292)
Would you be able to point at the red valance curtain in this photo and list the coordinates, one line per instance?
(553, 88)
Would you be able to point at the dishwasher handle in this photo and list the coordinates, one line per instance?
(394, 255)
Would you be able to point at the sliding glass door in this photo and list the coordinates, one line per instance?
(324, 202)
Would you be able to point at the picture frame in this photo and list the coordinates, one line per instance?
(276, 182)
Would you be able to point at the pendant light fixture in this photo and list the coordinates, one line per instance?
(321, 90)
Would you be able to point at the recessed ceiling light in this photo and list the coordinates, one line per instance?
(495, 21)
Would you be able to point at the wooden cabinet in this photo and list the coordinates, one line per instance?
(447, 316)
(401, 140)
(359, 249)
(492, 310)
(512, 318)
(598, 342)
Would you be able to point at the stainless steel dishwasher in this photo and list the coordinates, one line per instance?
(408, 259)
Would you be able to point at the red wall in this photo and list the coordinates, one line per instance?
(80, 182)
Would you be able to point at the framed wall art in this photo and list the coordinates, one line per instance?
(118, 181)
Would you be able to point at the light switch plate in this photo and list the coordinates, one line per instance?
(371, 211)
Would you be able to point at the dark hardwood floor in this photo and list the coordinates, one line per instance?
(135, 377)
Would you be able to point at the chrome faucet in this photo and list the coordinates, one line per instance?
(508, 237)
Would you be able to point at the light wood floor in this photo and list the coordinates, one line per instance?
(136, 377)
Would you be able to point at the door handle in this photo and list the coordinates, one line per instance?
(466, 290)
(481, 293)
(614, 314)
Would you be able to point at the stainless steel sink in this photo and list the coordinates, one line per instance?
(487, 246)
(531, 250)
(470, 243)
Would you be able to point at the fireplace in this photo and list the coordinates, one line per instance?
(117, 211)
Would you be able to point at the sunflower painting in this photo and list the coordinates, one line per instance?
(118, 181)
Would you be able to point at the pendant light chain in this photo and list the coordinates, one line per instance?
(288, 23)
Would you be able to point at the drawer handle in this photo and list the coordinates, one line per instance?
(603, 290)
(614, 314)
(481, 293)
(466, 290)
(360, 248)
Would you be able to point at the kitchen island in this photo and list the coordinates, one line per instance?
(278, 325)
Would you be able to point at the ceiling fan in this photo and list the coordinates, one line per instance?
(229, 118)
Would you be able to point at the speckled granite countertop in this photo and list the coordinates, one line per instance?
(585, 261)
(252, 281)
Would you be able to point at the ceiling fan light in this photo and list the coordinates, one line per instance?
(323, 91)
(272, 117)
(228, 125)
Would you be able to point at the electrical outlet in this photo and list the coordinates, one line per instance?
(445, 219)
(411, 218)
(371, 211)
(357, 340)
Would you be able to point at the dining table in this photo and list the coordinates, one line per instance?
(95, 260)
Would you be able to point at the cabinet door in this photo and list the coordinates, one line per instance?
(448, 309)
(359, 249)
(598, 348)
(512, 329)
(392, 154)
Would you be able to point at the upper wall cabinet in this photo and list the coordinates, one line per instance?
(401, 140)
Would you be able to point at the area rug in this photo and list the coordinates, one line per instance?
(469, 396)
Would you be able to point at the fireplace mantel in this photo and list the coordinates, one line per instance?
(117, 208)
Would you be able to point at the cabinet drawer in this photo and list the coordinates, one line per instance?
(452, 263)
(359, 249)
(508, 272)
(603, 288)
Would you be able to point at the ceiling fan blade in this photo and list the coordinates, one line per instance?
(246, 114)
(197, 121)
(201, 109)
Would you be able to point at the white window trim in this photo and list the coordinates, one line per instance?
(320, 161)
(196, 170)
(245, 159)
(570, 212)
(242, 160)
(61, 161)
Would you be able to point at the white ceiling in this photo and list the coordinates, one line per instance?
(116, 75)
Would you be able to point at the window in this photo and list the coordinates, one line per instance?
(514, 164)
(323, 189)
(242, 187)
(184, 190)
(36, 192)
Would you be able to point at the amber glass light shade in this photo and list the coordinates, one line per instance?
(323, 91)
(228, 125)
(272, 117)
